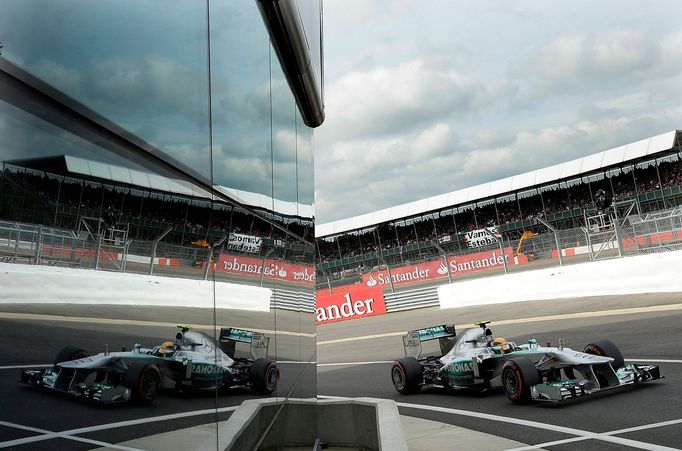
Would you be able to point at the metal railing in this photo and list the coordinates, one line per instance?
(110, 250)
(621, 232)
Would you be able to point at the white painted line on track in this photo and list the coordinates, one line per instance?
(619, 431)
(132, 322)
(376, 362)
(354, 363)
(21, 367)
(49, 365)
(654, 360)
(295, 362)
(561, 317)
(581, 434)
(57, 435)
(71, 433)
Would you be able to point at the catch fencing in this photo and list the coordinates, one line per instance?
(619, 232)
(110, 250)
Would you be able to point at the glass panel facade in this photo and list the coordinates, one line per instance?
(156, 223)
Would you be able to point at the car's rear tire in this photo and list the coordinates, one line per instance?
(605, 348)
(68, 353)
(518, 376)
(407, 375)
(144, 381)
(263, 376)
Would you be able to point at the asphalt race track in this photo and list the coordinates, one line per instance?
(32, 334)
(647, 328)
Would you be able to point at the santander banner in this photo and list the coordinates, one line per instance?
(457, 264)
(349, 304)
(273, 269)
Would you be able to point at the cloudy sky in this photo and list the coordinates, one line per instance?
(426, 97)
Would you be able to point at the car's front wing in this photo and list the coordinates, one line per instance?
(628, 375)
(63, 383)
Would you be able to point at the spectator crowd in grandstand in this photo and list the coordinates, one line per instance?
(66, 199)
(62, 201)
(543, 202)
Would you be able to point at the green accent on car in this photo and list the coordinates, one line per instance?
(244, 336)
(432, 332)
(458, 369)
(557, 384)
(208, 371)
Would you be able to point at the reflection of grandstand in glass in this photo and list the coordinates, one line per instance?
(540, 216)
(68, 211)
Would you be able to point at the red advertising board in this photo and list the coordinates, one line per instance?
(268, 268)
(456, 264)
(349, 304)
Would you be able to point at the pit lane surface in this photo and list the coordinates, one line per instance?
(33, 334)
(645, 327)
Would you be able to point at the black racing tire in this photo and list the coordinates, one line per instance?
(605, 348)
(68, 353)
(144, 381)
(518, 376)
(407, 375)
(263, 376)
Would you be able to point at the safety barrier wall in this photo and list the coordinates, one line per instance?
(36, 245)
(414, 285)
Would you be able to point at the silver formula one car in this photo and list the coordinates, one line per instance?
(527, 372)
(194, 361)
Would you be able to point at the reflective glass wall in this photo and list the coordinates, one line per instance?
(156, 224)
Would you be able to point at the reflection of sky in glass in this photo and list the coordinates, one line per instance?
(143, 70)
(143, 65)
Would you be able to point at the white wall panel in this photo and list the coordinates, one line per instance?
(501, 186)
(571, 168)
(661, 142)
(592, 162)
(524, 180)
(613, 156)
(546, 175)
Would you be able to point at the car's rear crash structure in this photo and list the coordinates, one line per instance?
(528, 372)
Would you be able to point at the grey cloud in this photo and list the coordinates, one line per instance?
(580, 63)
(397, 99)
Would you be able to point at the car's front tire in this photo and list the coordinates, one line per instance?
(263, 376)
(518, 376)
(407, 375)
(144, 381)
(68, 353)
(605, 348)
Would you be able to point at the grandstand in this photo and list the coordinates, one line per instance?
(64, 210)
(647, 173)
(57, 191)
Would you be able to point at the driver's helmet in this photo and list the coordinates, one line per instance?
(501, 343)
(167, 349)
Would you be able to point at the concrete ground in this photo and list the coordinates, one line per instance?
(420, 434)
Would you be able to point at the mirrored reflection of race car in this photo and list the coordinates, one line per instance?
(527, 372)
(194, 361)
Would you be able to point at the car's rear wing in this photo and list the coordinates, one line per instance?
(230, 336)
(444, 333)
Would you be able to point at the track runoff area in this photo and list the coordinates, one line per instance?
(355, 357)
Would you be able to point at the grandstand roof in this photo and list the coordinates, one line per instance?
(544, 176)
(68, 165)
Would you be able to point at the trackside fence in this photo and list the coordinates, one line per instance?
(619, 232)
(110, 250)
